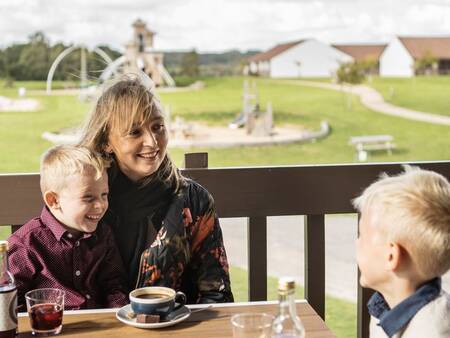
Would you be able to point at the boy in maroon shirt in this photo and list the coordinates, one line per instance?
(67, 246)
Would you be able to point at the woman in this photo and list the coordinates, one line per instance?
(165, 225)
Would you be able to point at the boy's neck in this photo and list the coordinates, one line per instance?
(399, 290)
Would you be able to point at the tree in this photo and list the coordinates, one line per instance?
(426, 65)
(351, 72)
(189, 64)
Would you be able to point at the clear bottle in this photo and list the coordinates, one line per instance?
(286, 324)
(8, 296)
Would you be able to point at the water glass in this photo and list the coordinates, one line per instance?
(45, 309)
(252, 325)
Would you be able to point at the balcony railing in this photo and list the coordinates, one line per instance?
(256, 193)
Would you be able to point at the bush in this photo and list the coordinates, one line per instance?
(352, 72)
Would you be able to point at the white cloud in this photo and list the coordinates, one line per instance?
(222, 24)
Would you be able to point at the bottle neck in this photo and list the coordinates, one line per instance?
(287, 303)
(4, 276)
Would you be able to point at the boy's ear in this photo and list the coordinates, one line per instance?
(51, 199)
(395, 256)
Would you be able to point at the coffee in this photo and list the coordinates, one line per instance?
(152, 296)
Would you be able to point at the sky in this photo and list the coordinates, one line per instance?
(220, 25)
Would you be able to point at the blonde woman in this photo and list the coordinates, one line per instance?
(165, 225)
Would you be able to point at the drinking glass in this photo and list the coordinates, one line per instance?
(252, 325)
(45, 309)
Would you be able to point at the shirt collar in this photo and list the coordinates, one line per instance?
(58, 229)
(52, 223)
(393, 320)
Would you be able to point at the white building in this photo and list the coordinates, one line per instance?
(304, 58)
(399, 57)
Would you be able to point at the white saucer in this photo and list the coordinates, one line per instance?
(180, 314)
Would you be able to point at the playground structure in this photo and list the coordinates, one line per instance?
(139, 57)
(83, 64)
(256, 122)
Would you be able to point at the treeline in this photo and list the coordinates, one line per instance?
(32, 61)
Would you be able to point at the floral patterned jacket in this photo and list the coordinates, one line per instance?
(188, 253)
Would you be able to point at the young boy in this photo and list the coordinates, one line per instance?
(66, 247)
(402, 251)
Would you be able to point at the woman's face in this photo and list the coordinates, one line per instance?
(140, 152)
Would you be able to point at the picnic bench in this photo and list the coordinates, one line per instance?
(364, 144)
(257, 193)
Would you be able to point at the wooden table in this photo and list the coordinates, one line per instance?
(211, 323)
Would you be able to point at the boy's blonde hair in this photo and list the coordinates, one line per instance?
(61, 162)
(413, 210)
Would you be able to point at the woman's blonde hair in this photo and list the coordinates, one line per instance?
(413, 209)
(61, 162)
(127, 103)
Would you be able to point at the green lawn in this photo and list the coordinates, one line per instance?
(21, 143)
(425, 93)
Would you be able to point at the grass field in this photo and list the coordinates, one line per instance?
(21, 143)
(424, 93)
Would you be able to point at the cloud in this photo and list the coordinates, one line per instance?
(222, 24)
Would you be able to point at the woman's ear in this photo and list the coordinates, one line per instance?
(108, 149)
(51, 199)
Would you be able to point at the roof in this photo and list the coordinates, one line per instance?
(362, 52)
(278, 49)
(439, 47)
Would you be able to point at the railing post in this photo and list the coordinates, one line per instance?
(315, 262)
(195, 160)
(257, 258)
(363, 317)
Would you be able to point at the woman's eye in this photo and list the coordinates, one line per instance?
(158, 127)
(134, 132)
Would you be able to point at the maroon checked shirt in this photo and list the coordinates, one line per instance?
(88, 267)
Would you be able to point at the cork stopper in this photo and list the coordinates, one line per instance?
(4, 246)
(286, 284)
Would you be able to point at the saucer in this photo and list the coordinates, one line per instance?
(173, 318)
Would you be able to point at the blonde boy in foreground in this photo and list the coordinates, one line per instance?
(403, 249)
(67, 246)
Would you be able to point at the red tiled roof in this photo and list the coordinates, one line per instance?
(439, 47)
(278, 49)
(362, 52)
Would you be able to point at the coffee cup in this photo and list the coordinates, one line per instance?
(156, 300)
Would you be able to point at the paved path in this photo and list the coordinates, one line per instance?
(373, 100)
(285, 250)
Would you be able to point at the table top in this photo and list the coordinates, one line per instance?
(213, 322)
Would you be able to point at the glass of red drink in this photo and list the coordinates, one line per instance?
(45, 309)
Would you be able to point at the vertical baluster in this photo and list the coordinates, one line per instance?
(257, 258)
(315, 262)
(363, 317)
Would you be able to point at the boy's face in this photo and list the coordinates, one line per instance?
(371, 253)
(83, 202)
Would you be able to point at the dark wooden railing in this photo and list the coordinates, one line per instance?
(256, 193)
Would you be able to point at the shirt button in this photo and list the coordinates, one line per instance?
(77, 273)
(77, 243)
(69, 235)
(88, 296)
